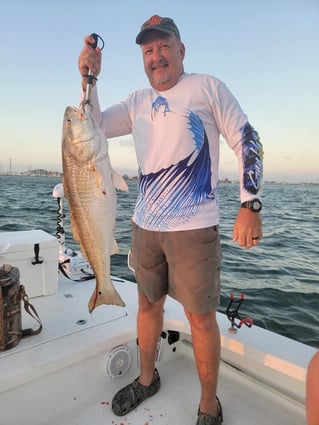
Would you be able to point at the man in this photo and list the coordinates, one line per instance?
(312, 391)
(176, 126)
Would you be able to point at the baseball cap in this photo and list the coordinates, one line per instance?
(155, 22)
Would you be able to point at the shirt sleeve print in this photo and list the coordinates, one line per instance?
(252, 157)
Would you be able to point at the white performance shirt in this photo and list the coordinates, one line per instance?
(176, 134)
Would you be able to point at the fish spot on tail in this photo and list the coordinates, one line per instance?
(111, 298)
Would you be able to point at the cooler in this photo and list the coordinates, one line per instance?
(36, 254)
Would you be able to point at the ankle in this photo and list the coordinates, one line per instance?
(210, 408)
(146, 378)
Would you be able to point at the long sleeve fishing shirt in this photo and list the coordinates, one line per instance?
(177, 139)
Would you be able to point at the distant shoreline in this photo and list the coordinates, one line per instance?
(45, 173)
(33, 173)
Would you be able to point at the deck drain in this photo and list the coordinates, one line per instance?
(81, 322)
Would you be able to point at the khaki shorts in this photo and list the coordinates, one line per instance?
(184, 265)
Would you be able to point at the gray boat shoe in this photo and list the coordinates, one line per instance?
(204, 419)
(129, 397)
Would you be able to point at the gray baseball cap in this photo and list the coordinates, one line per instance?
(157, 23)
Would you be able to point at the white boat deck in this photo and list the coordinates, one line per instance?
(59, 376)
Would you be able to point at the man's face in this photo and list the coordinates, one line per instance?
(163, 59)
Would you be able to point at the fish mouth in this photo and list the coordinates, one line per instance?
(72, 111)
(75, 109)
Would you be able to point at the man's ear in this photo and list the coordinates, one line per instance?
(182, 50)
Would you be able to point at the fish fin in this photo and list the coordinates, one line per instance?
(100, 180)
(115, 248)
(119, 182)
(111, 296)
(98, 175)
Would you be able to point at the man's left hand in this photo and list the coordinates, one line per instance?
(247, 228)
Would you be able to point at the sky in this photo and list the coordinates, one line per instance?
(266, 51)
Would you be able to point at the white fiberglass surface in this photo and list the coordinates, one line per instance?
(81, 394)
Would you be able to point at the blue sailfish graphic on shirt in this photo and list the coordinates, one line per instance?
(159, 104)
(172, 195)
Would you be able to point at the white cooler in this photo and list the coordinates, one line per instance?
(36, 254)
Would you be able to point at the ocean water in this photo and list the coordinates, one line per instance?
(279, 278)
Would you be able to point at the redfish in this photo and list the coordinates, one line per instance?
(89, 184)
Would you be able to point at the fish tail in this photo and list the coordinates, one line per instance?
(111, 296)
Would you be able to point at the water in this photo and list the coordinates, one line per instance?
(280, 277)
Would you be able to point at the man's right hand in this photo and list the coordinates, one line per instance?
(89, 59)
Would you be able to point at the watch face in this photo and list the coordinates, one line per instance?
(256, 205)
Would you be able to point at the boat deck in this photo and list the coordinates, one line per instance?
(86, 395)
(59, 376)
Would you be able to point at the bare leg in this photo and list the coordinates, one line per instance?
(312, 391)
(206, 345)
(149, 328)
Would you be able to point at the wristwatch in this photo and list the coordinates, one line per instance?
(254, 205)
